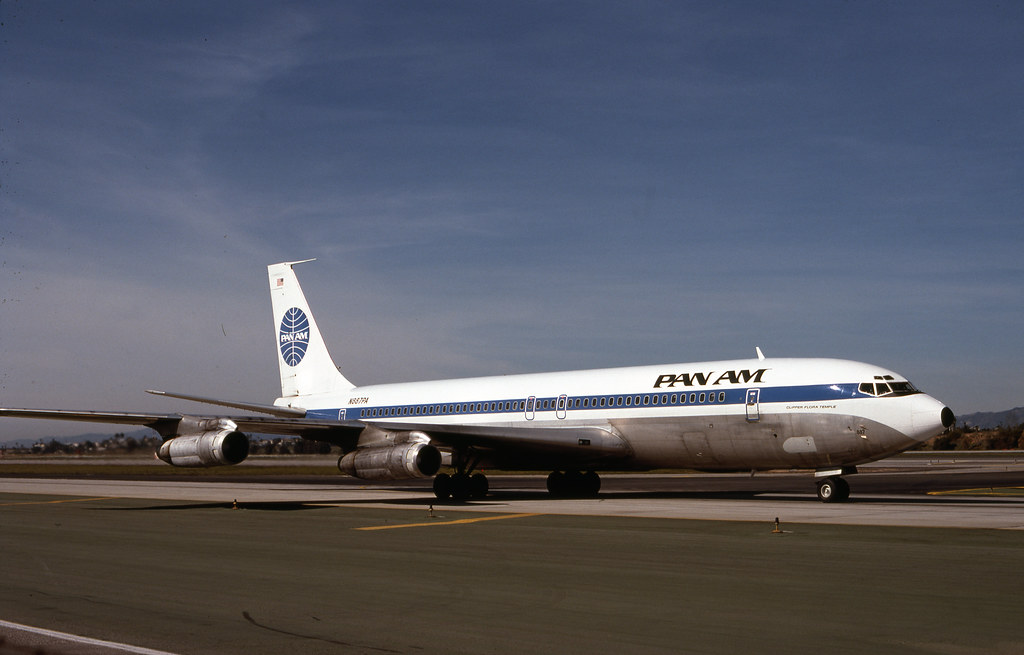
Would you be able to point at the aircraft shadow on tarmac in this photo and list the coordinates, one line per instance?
(277, 506)
(498, 497)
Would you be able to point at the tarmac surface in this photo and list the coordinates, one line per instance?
(655, 564)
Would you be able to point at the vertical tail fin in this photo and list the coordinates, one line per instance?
(306, 365)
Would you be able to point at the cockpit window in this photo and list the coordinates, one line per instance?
(903, 388)
(887, 388)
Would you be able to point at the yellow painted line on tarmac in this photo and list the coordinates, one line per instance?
(54, 502)
(981, 491)
(455, 522)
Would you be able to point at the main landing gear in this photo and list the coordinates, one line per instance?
(465, 486)
(460, 486)
(833, 489)
(573, 484)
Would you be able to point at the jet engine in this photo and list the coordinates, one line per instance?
(225, 445)
(399, 462)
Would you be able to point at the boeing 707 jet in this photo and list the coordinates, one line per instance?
(825, 415)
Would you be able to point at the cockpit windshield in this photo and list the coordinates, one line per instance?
(886, 385)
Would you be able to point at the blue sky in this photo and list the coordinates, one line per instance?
(506, 187)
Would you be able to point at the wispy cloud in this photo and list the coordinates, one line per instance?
(495, 188)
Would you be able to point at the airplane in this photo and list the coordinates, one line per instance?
(825, 415)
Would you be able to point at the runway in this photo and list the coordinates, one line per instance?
(917, 490)
(339, 566)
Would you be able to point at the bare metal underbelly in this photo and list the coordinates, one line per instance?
(775, 441)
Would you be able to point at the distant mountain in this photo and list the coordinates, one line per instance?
(990, 420)
(95, 437)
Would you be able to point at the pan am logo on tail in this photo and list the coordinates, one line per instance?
(294, 336)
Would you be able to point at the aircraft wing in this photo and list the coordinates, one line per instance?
(591, 441)
(167, 424)
(155, 421)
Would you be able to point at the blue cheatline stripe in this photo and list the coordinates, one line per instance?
(704, 397)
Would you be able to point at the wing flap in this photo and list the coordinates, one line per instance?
(595, 441)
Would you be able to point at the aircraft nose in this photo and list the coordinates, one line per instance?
(930, 418)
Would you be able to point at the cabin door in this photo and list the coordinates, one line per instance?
(753, 405)
(560, 407)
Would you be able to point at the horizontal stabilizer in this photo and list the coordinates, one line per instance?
(273, 410)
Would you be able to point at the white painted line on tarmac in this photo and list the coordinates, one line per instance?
(128, 648)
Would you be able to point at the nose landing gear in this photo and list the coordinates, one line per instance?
(833, 489)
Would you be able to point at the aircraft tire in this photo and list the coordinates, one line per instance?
(574, 484)
(461, 488)
(833, 490)
(478, 485)
(443, 486)
(574, 487)
(557, 484)
(844, 489)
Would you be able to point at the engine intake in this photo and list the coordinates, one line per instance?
(214, 448)
(401, 462)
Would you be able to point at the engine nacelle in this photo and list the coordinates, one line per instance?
(401, 462)
(214, 448)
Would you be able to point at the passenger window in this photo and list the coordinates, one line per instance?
(721, 396)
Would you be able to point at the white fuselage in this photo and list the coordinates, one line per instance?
(727, 415)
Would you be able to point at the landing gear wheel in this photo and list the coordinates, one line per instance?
(573, 484)
(443, 486)
(478, 485)
(833, 490)
(460, 486)
(556, 484)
